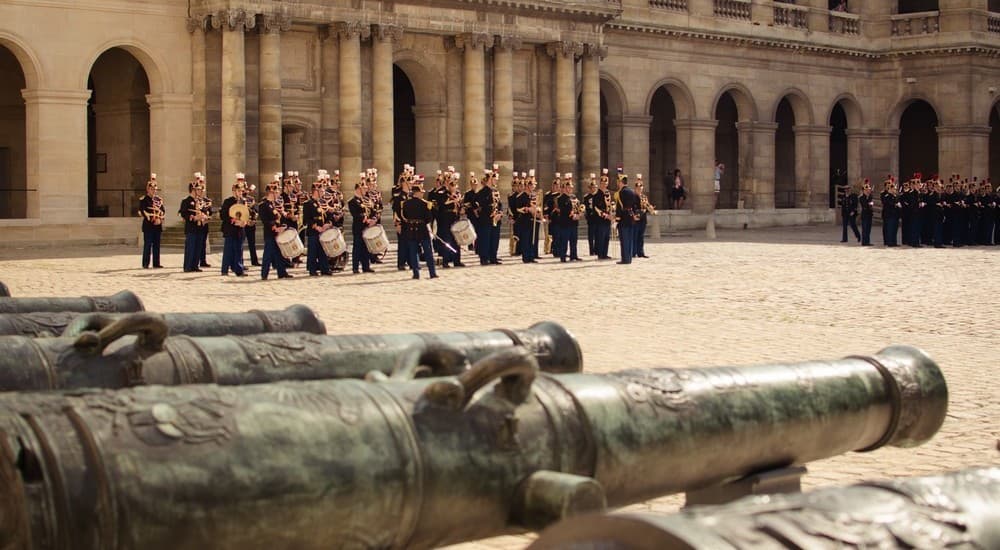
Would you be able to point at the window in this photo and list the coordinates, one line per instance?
(916, 6)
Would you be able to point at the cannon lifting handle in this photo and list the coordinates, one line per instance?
(515, 367)
(150, 330)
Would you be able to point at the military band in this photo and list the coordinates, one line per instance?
(153, 212)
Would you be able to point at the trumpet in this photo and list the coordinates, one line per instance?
(155, 213)
(578, 209)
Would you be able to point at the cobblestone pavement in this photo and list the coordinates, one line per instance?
(748, 297)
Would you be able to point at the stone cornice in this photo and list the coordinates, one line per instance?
(58, 97)
(696, 124)
(873, 132)
(966, 130)
(595, 10)
(817, 130)
(757, 126)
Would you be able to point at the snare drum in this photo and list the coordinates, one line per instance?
(375, 239)
(290, 244)
(332, 241)
(464, 232)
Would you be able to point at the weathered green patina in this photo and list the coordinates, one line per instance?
(135, 349)
(422, 463)
(121, 302)
(4, 291)
(955, 510)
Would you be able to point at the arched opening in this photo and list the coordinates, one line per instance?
(13, 172)
(404, 124)
(784, 156)
(916, 6)
(918, 140)
(838, 151)
(995, 144)
(118, 148)
(727, 150)
(662, 144)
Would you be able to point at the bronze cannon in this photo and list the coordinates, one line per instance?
(120, 302)
(426, 462)
(136, 350)
(297, 318)
(4, 291)
(955, 510)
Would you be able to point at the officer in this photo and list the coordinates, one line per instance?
(152, 211)
(232, 231)
(526, 207)
(417, 215)
(890, 213)
(848, 212)
(628, 217)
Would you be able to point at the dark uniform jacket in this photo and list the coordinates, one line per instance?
(358, 212)
(628, 205)
(417, 213)
(187, 211)
(268, 219)
(311, 216)
(867, 205)
(145, 209)
(228, 229)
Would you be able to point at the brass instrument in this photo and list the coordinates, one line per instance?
(156, 212)
(497, 208)
(645, 205)
(578, 209)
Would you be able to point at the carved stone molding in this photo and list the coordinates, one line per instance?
(595, 50)
(387, 33)
(507, 43)
(473, 40)
(352, 29)
(564, 48)
(198, 23)
(234, 20)
(274, 23)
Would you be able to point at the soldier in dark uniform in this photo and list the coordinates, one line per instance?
(639, 250)
(995, 201)
(848, 212)
(250, 231)
(314, 218)
(548, 202)
(936, 206)
(973, 212)
(271, 226)
(527, 209)
(152, 211)
(867, 203)
(628, 216)
(470, 204)
(361, 221)
(559, 211)
(232, 231)
(890, 213)
(447, 213)
(400, 192)
(602, 218)
(417, 215)
(487, 200)
(516, 190)
(192, 230)
(986, 218)
(958, 210)
(205, 203)
(588, 203)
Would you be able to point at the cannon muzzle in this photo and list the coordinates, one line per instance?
(121, 302)
(956, 510)
(4, 291)
(106, 358)
(422, 463)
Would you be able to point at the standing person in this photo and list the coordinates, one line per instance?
(527, 209)
(417, 215)
(867, 203)
(483, 201)
(576, 210)
(720, 169)
(152, 210)
(559, 220)
(677, 193)
(232, 231)
(589, 215)
(628, 216)
(516, 189)
(471, 206)
(496, 217)
(205, 204)
(361, 220)
(250, 231)
(603, 205)
(644, 208)
(314, 218)
(193, 216)
(890, 213)
(449, 212)
(848, 212)
(400, 193)
(271, 225)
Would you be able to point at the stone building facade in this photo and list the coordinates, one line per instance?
(95, 94)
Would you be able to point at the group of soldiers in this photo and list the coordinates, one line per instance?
(926, 211)
(441, 220)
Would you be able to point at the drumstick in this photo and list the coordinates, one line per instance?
(440, 240)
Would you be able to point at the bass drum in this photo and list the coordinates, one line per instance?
(375, 239)
(464, 232)
(332, 241)
(289, 244)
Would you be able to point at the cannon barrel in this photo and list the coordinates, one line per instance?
(107, 359)
(427, 462)
(297, 318)
(4, 291)
(959, 509)
(120, 302)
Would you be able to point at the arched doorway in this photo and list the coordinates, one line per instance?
(118, 146)
(13, 172)
(918, 140)
(838, 151)
(995, 145)
(784, 156)
(404, 124)
(662, 144)
(727, 149)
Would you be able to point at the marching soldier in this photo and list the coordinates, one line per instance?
(627, 204)
(548, 202)
(361, 215)
(525, 222)
(152, 211)
(250, 230)
(516, 189)
(890, 213)
(487, 200)
(639, 251)
(205, 204)
(314, 218)
(848, 212)
(193, 218)
(271, 225)
(449, 212)
(417, 215)
(589, 215)
(867, 203)
(471, 206)
(232, 230)
(603, 218)
(400, 192)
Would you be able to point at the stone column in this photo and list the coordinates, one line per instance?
(757, 164)
(384, 36)
(432, 144)
(590, 106)
(698, 163)
(878, 152)
(812, 166)
(818, 19)
(565, 54)
(329, 100)
(197, 27)
(171, 139)
(474, 100)
(875, 18)
(56, 154)
(635, 145)
(270, 94)
(350, 98)
(234, 132)
(963, 15)
(964, 150)
(503, 109)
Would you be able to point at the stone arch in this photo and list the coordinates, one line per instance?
(300, 145)
(917, 120)
(897, 112)
(667, 102)
(851, 107)
(425, 80)
(745, 104)
(614, 105)
(993, 162)
(614, 94)
(159, 78)
(15, 198)
(800, 103)
(429, 110)
(679, 92)
(30, 64)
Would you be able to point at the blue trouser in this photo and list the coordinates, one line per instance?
(316, 261)
(151, 247)
(359, 253)
(938, 231)
(251, 233)
(529, 246)
(602, 239)
(866, 230)
(626, 236)
(891, 225)
(204, 247)
(559, 241)
(447, 256)
(591, 238)
(914, 228)
(572, 236)
(192, 250)
(232, 255)
(494, 242)
(413, 248)
(272, 257)
(640, 239)
(849, 220)
(483, 240)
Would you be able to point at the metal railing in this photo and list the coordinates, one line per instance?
(732, 9)
(993, 22)
(675, 5)
(911, 24)
(790, 15)
(14, 202)
(845, 23)
(114, 203)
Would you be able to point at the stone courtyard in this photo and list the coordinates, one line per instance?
(747, 297)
